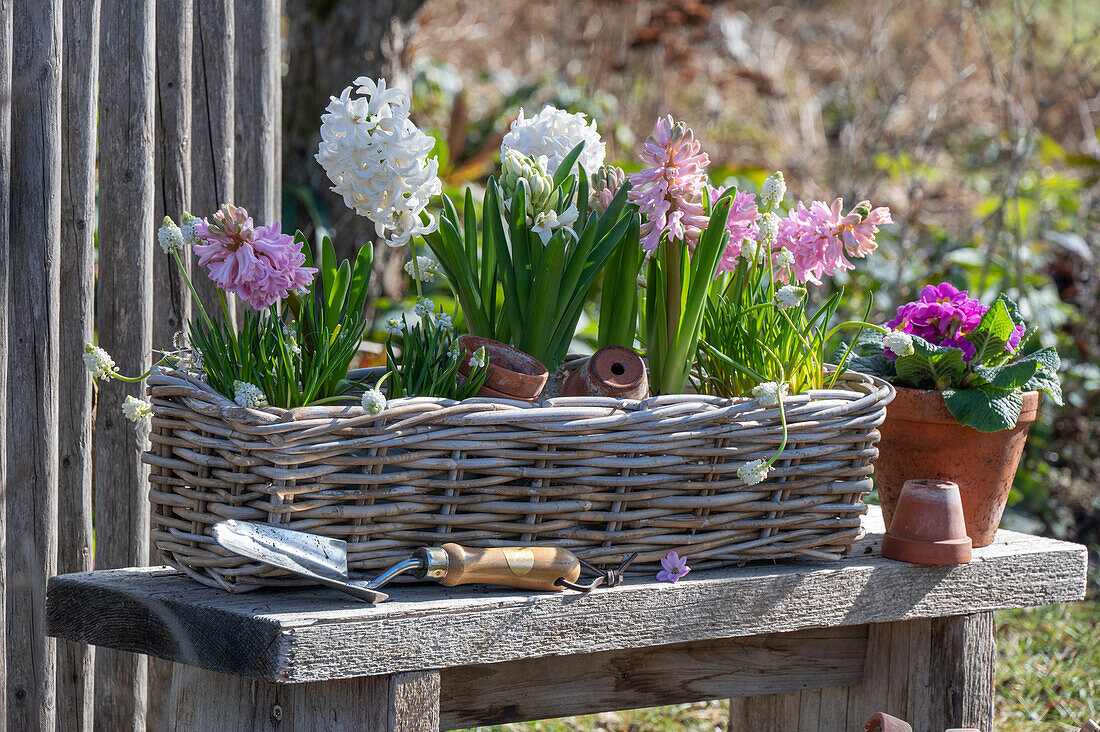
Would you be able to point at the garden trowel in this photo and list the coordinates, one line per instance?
(325, 561)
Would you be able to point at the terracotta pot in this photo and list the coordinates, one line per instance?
(513, 374)
(928, 525)
(882, 722)
(612, 371)
(920, 439)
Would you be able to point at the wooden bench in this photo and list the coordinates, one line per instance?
(801, 645)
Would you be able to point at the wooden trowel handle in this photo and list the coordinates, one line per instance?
(529, 568)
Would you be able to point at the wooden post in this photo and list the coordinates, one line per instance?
(212, 121)
(76, 662)
(256, 81)
(205, 700)
(125, 299)
(171, 298)
(32, 375)
(5, 254)
(963, 666)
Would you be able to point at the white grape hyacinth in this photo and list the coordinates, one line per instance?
(187, 229)
(373, 401)
(479, 359)
(98, 362)
(377, 159)
(769, 230)
(900, 342)
(769, 393)
(248, 395)
(784, 258)
(136, 410)
(789, 296)
(170, 236)
(773, 190)
(554, 132)
(424, 307)
(444, 323)
(753, 472)
(393, 326)
(428, 268)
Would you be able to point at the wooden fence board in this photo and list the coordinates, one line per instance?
(212, 120)
(32, 377)
(126, 231)
(255, 179)
(171, 298)
(5, 251)
(75, 662)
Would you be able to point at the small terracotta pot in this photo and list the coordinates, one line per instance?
(882, 722)
(513, 374)
(928, 525)
(921, 439)
(612, 371)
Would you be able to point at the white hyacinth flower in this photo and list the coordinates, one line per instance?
(424, 307)
(753, 472)
(554, 132)
(429, 269)
(443, 322)
(187, 229)
(136, 410)
(455, 351)
(248, 395)
(789, 296)
(377, 159)
(547, 222)
(769, 230)
(373, 401)
(900, 342)
(169, 236)
(478, 359)
(393, 326)
(784, 258)
(773, 190)
(769, 393)
(98, 362)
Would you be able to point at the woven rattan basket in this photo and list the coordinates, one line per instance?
(601, 477)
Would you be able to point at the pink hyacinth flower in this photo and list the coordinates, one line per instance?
(669, 192)
(259, 264)
(741, 225)
(822, 238)
(674, 569)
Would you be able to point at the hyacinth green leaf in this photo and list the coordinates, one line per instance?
(336, 295)
(565, 169)
(521, 248)
(494, 229)
(360, 279)
(543, 302)
(930, 367)
(469, 226)
(985, 408)
(990, 337)
(301, 241)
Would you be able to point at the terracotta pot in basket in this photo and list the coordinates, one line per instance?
(921, 439)
(513, 374)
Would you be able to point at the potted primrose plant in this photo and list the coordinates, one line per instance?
(968, 390)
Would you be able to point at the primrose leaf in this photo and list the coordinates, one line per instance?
(990, 337)
(985, 408)
(1046, 373)
(930, 367)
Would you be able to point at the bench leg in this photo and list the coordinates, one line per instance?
(205, 700)
(934, 674)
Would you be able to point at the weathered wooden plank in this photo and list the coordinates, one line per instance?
(257, 116)
(557, 686)
(32, 375)
(204, 700)
(5, 255)
(75, 662)
(961, 676)
(171, 297)
(311, 635)
(125, 319)
(212, 121)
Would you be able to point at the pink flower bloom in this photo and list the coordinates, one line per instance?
(669, 193)
(675, 568)
(741, 225)
(822, 239)
(257, 263)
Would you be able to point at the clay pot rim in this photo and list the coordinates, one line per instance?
(927, 406)
(531, 381)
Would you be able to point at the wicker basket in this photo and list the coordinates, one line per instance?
(601, 477)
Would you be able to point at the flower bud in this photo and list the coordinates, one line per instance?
(605, 185)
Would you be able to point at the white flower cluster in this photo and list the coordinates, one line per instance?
(170, 237)
(187, 228)
(248, 395)
(424, 306)
(773, 190)
(769, 393)
(753, 472)
(769, 230)
(393, 326)
(444, 323)
(429, 269)
(136, 410)
(479, 359)
(377, 159)
(373, 401)
(98, 362)
(789, 296)
(515, 167)
(547, 222)
(900, 342)
(554, 132)
(784, 258)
